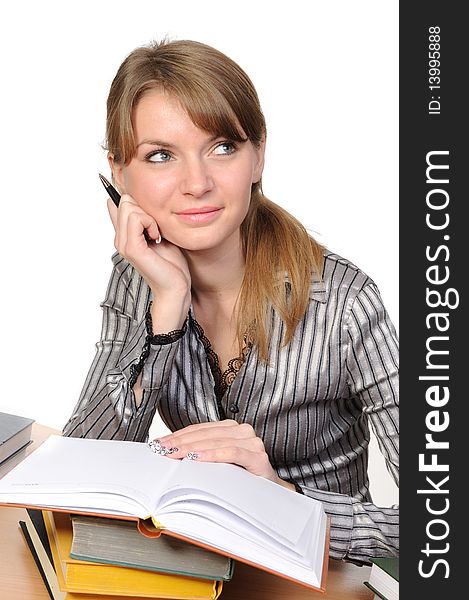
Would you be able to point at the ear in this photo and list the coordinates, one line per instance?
(259, 164)
(117, 173)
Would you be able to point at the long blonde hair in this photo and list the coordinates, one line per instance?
(220, 98)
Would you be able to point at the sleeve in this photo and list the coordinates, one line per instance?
(361, 530)
(107, 408)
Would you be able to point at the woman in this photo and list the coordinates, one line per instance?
(256, 345)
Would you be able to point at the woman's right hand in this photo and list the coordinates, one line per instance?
(162, 265)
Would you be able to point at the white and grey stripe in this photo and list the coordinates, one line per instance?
(311, 403)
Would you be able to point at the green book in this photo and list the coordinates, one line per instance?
(384, 578)
(116, 542)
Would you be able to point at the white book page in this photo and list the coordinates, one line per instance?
(307, 569)
(94, 475)
(194, 504)
(274, 509)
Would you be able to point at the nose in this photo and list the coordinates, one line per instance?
(196, 179)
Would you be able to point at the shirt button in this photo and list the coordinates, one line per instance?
(233, 408)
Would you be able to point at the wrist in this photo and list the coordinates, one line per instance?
(169, 312)
(279, 481)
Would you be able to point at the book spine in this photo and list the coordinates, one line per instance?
(32, 549)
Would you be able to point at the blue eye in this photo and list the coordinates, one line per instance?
(158, 156)
(225, 148)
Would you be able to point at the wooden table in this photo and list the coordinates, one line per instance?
(20, 580)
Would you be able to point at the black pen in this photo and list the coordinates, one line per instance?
(111, 190)
(115, 197)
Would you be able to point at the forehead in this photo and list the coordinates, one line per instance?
(159, 110)
(160, 113)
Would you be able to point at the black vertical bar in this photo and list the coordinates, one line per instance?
(434, 328)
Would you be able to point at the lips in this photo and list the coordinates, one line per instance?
(198, 211)
(204, 214)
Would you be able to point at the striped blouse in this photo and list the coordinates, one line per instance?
(311, 403)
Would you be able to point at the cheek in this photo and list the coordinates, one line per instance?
(148, 191)
(244, 193)
(238, 184)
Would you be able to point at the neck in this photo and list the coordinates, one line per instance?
(216, 275)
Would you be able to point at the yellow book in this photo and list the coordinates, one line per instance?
(51, 578)
(91, 578)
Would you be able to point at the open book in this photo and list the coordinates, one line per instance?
(218, 506)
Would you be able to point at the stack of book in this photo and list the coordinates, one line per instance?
(84, 557)
(220, 508)
(15, 436)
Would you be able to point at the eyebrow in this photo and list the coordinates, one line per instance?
(163, 144)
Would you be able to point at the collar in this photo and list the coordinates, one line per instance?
(318, 291)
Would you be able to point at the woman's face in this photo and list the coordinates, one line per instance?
(196, 186)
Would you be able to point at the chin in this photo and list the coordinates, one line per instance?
(188, 242)
(200, 241)
(188, 246)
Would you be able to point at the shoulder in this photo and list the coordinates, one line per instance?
(340, 278)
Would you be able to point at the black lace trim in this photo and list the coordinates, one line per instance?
(162, 338)
(225, 379)
(158, 339)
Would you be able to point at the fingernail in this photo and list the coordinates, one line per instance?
(192, 455)
(158, 239)
(155, 446)
(158, 448)
(172, 450)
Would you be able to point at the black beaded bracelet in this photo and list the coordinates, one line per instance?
(162, 338)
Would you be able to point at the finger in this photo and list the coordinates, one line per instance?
(201, 430)
(140, 228)
(131, 233)
(213, 438)
(126, 205)
(181, 450)
(113, 210)
(127, 199)
(254, 462)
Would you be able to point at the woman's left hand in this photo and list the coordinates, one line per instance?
(223, 441)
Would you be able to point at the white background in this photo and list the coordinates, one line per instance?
(326, 74)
